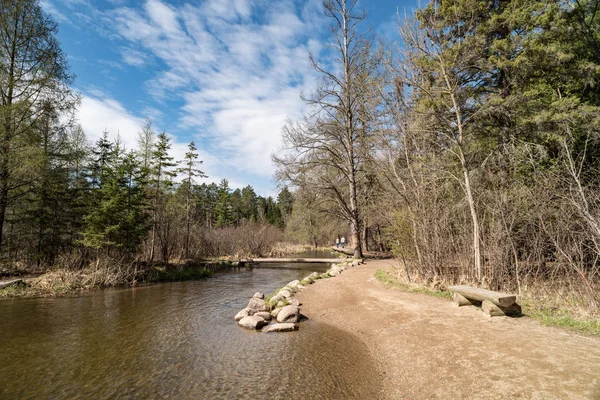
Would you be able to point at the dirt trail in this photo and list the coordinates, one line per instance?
(426, 348)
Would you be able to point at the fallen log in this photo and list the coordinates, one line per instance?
(5, 284)
(497, 298)
(347, 251)
(460, 300)
(494, 310)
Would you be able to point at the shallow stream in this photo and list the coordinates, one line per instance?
(174, 340)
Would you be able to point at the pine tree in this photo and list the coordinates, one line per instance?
(249, 205)
(190, 172)
(223, 210)
(162, 172)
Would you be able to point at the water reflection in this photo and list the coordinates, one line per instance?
(175, 340)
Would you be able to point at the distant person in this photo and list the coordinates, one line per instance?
(337, 242)
(343, 242)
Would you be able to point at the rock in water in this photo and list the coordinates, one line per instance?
(252, 322)
(287, 327)
(258, 295)
(289, 314)
(256, 305)
(313, 276)
(242, 314)
(264, 315)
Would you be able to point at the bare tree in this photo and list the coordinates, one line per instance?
(328, 145)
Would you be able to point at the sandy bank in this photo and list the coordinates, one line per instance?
(427, 348)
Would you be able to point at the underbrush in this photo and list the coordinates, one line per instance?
(559, 310)
(109, 273)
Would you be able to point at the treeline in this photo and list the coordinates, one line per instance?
(469, 144)
(66, 202)
(101, 199)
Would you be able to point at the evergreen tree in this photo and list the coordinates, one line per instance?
(249, 204)
(223, 211)
(190, 172)
(34, 73)
(161, 180)
(285, 201)
(236, 206)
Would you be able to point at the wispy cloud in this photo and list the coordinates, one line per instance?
(48, 7)
(227, 73)
(238, 66)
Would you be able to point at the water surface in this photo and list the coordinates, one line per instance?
(174, 340)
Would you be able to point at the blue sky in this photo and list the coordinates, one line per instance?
(224, 73)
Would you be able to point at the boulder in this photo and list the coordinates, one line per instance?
(242, 314)
(295, 302)
(355, 263)
(312, 276)
(258, 295)
(275, 312)
(264, 315)
(293, 283)
(286, 327)
(289, 314)
(252, 322)
(255, 305)
(283, 294)
(281, 304)
(300, 286)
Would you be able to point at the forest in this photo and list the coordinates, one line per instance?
(467, 145)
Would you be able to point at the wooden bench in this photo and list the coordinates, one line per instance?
(492, 303)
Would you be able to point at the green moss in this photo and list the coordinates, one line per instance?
(283, 302)
(269, 297)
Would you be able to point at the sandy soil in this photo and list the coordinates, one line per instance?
(426, 348)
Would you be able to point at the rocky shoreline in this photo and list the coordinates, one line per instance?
(280, 312)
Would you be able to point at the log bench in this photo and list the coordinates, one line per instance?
(492, 303)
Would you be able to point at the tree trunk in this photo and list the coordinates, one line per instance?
(475, 220)
(364, 235)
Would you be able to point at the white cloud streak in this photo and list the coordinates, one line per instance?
(239, 67)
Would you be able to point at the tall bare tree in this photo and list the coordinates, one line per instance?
(328, 146)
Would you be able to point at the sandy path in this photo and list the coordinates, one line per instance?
(428, 349)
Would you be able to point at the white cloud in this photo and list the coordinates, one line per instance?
(48, 7)
(98, 113)
(238, 65)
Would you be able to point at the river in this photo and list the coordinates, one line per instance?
(175, 340)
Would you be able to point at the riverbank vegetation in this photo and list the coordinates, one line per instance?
(468, 144)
